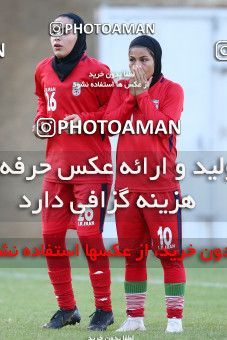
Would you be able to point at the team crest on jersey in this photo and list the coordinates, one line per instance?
(156, 103)
(76, 88)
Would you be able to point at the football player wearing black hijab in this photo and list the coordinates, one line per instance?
(64, 62)
(61, 96)
(149, 96)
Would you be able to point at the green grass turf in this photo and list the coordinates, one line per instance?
(27, 301)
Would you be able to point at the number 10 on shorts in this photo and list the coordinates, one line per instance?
(165, 235)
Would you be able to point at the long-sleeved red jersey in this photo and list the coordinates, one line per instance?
(57, 100)
(163, 101)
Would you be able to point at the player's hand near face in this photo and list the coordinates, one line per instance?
(75, 118)
(132, 81)
(141, 79)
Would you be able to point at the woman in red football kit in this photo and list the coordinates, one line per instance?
(157, 99)
(61, 96)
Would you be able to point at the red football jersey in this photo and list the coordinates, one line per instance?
(163, 101)
(57, 100)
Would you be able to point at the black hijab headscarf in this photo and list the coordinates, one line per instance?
(154, 46)
(64, 66)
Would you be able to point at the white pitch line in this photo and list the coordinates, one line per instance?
(115, 279)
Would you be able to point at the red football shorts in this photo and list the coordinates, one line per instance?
(139, 226)
(58, 219)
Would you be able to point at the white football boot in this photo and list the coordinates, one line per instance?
(132, 324)
(174, 326)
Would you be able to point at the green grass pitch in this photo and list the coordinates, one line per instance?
(27, 301)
